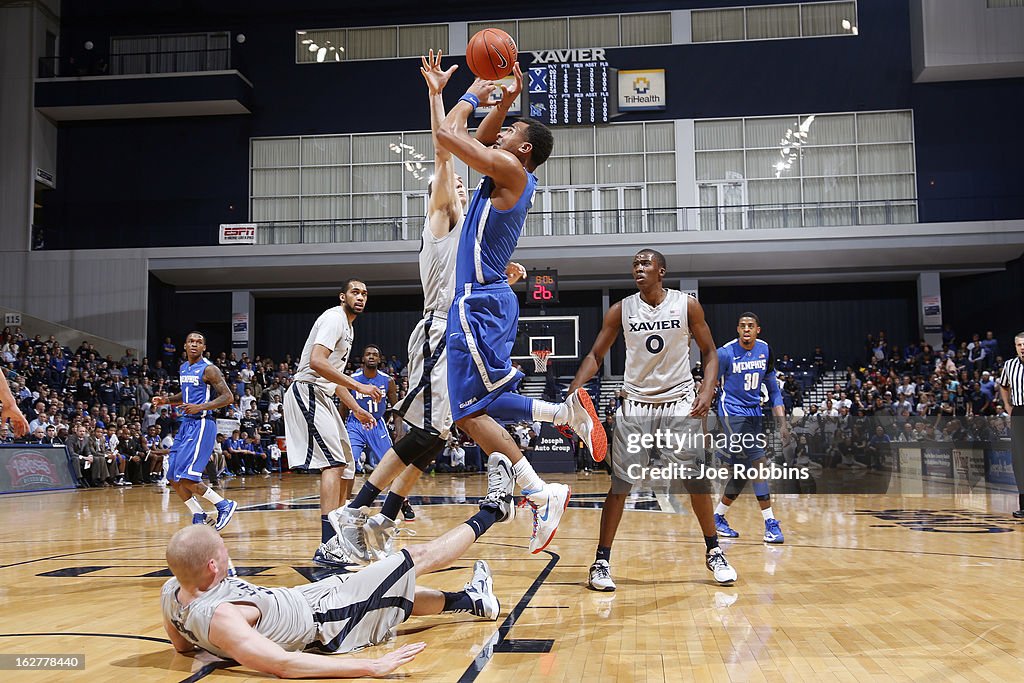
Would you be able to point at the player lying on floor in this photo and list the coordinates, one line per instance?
(268, 629)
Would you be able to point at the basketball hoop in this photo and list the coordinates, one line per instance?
(540, 359)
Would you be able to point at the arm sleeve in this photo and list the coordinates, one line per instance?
(723, 362)
(774, 394)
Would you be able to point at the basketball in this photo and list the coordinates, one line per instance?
(491, 54)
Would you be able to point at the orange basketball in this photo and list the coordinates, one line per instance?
(491, 54)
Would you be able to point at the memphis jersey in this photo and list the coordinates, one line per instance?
(375, 408)
(742, 373)
(490, 236)
(437, 268)
(657, 348)
(194, 389)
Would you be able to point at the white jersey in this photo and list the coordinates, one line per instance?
(657, 349)
(437, 268)
(333, 330)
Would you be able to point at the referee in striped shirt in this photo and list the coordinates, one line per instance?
(1011, 387)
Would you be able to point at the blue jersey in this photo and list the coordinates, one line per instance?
(489, 236)
(742, 373)
(375, 408)
(194, 389)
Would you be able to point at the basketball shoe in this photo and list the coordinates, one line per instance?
(200, 518)
(481, 590)
(332, 556)
(225, 511)
(500, 485)
(724, 529)
(720, 567)
(601, 577)
(772, 531)
(349, 525)
(380, 532)
(547, 504)
(584, 421)
(407, 511)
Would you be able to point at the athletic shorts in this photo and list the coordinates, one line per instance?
(353, 611)
(742, 438)
(376, 440)
(482, 326)
(315, 431)
(426, 405)
(643, 452)
(191, 449)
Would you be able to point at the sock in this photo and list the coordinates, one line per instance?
(711, 542)
(604, 552)
(365, 497)
(767, 513)
(392, 505)
(193, 505)
(721, 508)
(527, 479)
(457, 602)
(483, 520)
(555, 413)
(326, 530)
(511, 408)
(213, 496)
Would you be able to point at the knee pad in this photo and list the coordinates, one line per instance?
(415, 446)
(735, 487)
(761, 490)
(429, 455)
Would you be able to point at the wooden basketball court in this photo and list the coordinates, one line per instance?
(909, 588)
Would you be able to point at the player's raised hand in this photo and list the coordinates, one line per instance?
(515, 272)
(483, 90)
(18, 422)
(370, 390)
(400, 657)
(510, 93)
(368, 420)
(435, 77)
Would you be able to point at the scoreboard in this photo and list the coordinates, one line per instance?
(570, 87)
(542, 287)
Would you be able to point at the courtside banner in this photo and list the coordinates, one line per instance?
(238, 233)
(31, 467)
(1000, 465)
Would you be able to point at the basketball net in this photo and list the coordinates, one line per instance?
(540, 360)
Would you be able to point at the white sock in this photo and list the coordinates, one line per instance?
(767, 513)
(193, 505)
(556, 413)
(526, 477)
(721, 508)
(212, 496)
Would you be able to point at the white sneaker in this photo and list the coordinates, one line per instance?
(481, 589)
(720, 567)
(349, 525)
(601, 577)
(380, 532)
(500, 485)
(548, 505)
(584, 421)
(332, 556)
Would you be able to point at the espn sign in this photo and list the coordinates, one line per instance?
(238, 233)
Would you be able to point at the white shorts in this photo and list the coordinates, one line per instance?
(426, 405)
(315, 431)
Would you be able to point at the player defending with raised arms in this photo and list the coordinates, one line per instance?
(744, 364)
(484, 316)
(197, 433)
(657, 324)
(314, 428)
(267, 629)
(426, 407)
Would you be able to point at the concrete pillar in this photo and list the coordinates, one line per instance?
(929, 309)
(606, 371)
(243, 314)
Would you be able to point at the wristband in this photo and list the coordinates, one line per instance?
(471, 98)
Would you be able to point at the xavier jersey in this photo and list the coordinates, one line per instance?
(194, 388)
(742, 373)
(375, 408)
(437, 268)
(490, 236)
(287, 619)
(333, 330)
(657, 348)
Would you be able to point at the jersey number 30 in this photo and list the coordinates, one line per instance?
(751, 381)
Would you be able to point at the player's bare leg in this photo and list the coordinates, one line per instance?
(611, 514)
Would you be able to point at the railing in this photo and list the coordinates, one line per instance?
(611, 221)
(126, 63)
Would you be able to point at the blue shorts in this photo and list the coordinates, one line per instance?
(376, 440)
(745, 434)
(481, 331)
(192, 449)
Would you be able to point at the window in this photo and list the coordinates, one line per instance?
(170, 53)
(771, 22)
(611, 30)
(371, 42)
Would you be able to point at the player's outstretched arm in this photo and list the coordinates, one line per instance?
(11, 410)
(605, 338)
(708, 353)
(319, 364)
(487, 132)
(230, 632)
(443, 206)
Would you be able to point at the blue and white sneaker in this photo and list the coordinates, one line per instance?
(225, 511)
(724, 529)
(481, 590)
(332, 556)
(772, 532)
(200, 518)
